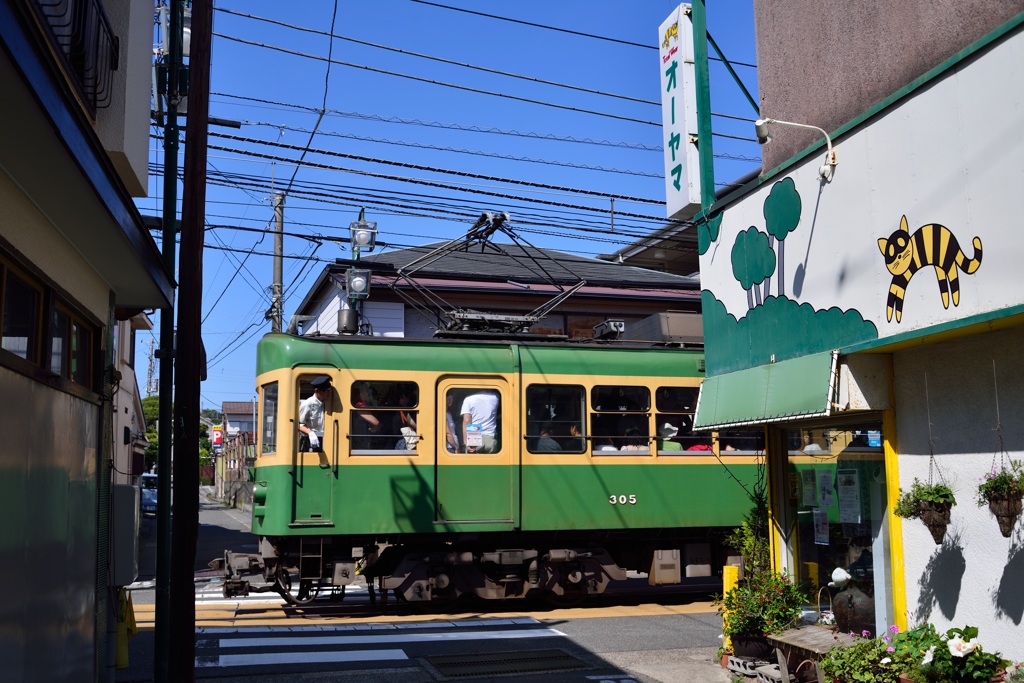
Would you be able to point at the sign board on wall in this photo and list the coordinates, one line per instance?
(919, 227)
(679, 114)
(217, 437)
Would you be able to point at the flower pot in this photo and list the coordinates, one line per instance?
(751, 645)
(936, 517)
(904, 678)
(1007, 510)
(725, 659)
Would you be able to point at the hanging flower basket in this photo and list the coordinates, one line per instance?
(1007, 510)
(1002, 489)
(931, 503)
(936, 517)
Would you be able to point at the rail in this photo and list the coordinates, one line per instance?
(81, 33)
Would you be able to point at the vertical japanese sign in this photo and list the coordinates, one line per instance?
(679, 115)
(217, 438)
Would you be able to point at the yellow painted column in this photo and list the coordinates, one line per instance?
(730, 579)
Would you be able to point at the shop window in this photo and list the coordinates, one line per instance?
(619, 420)
(837, 499)
(70, 346)
(22, 304)
(554, 419)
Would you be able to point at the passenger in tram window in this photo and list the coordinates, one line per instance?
(364, 422)
(480, 421)
(311, 415)
(545, 444)
(405, 420)
(633, 440)
(606, 443)
(665, 433)
(451, 434)
(574, 443)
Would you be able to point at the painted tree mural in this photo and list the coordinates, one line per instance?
(781, 216)
(753, 262)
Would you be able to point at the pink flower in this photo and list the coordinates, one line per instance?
(866, 633)
(894, 628)
(890, 649)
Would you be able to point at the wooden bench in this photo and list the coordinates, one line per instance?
(806, 643)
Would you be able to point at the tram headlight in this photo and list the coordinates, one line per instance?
(357, 283)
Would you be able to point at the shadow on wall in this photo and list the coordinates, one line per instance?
(1009, 597)
(940, 582)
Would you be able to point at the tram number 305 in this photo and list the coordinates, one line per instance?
(622, 499)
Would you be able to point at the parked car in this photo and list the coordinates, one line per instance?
(147, 485)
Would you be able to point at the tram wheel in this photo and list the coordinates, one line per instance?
(301, 592)
(570, 598)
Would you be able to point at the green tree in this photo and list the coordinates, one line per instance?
(151, 410)
(781, 216)
(753, 261)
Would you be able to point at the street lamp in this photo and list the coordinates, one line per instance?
(764, 137)
(364, 236)
(357, 282)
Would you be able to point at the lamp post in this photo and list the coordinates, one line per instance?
(357, 280)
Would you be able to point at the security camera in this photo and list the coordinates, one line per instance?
(761, 128)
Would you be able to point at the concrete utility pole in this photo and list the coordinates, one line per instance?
(189, 352)
(277, 289)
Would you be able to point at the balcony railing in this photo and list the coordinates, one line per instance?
(82, 34)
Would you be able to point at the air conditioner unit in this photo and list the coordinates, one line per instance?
(672, 326)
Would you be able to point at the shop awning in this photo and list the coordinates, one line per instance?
(787, 390)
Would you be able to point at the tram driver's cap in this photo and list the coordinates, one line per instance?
(321, 382)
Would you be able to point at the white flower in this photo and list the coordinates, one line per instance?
(928, 656)
(958, 647)
(886, 660)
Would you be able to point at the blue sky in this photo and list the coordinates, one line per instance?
(444, 146)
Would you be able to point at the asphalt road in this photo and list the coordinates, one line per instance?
(258, 639)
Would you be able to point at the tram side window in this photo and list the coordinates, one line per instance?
(741, 441)
(554, 419)
(476, 414)
(384, 416)
(675, 407)
(268, 429)
(619, 419)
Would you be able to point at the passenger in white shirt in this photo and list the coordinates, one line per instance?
(480, 416)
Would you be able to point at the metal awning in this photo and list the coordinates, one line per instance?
(787, 390)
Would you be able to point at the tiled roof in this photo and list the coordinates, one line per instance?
(237, 407)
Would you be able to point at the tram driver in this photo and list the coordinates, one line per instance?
(311, 415)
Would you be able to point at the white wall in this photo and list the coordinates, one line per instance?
(976, 577)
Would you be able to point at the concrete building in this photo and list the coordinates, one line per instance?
(867, 314)
(75, 261)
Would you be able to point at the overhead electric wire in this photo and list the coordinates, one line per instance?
(431, 169)
(433, 82)
(441, 59)
(535, 25)
(450, 126)
(557, 28)
(473, 152)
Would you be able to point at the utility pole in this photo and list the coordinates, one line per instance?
(172, 66)
(276, 292)
(189, 352)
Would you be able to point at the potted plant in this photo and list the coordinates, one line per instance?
(1002, 490)
(954, 657)
(931, 503)
(767, 602)
(872, 660)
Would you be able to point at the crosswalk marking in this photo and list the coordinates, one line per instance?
(319, 641)
(219, 646)
(302, 657)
